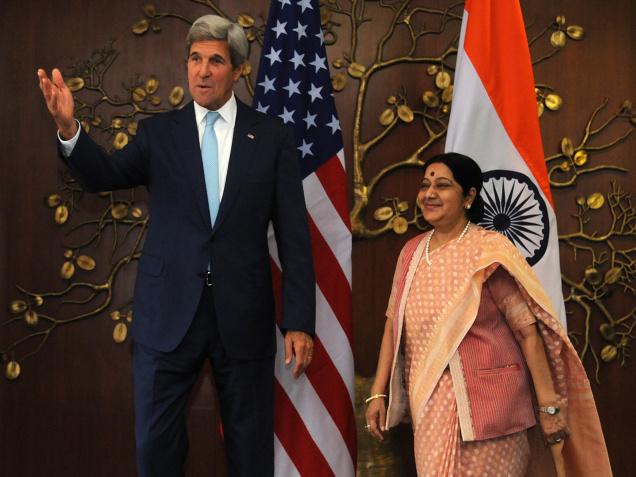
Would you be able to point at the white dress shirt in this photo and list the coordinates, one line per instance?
(223, 128)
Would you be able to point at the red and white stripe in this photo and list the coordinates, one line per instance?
(317, 435)
(494, 114)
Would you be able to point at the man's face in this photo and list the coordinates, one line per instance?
(210, 73)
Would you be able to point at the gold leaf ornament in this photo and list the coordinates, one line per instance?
(387, 117)
(557, 39)
(403, 206)
(120, 141)
(38, 300)
(540, 108)
(150, 10)
(447, 94)
(553, 102)
(119, 211)
(245, 20)
(338, 81)
(391, 100)
(138, 95)
(613, 275)
(176, 96)
(68, 253)
(132, 128)
(31, 318)
(12, 370)
(356, 70)
(442, 80)
(67, 271)
(53, 200)
(383, 213)
(575, 32)
(592, 276)
(560, 20)
(116, 123)
(75, 84)
(129, 316)
(405, 113)
(609, 353)
(120, 332)
(61, 214)
(152, 85)
(136, 212)
(17, 306)
(430, 99)
(400, 225)
(567, 147)
(580, 157)
(141, 27)
(607, 331)
(595, 201)
(86, 263)
(431, 70)
(247, 69)
(115, 315)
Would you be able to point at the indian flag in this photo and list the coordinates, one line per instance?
(494, 120)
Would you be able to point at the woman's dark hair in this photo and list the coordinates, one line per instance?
(467, 174)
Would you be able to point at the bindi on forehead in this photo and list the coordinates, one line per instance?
(432, 173)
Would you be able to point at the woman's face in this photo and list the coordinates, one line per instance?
(441, 198)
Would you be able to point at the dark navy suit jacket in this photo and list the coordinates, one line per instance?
(263, 183)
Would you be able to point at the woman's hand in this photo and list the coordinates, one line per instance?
(376, 417)
(551, 424)
(557, 456)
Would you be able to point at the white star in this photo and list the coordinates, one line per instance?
(314, 92)
(305, 4)
(321, 37)
(262, 107)
(268, 84)
(334, 124)
(280, 28)
(306, 148)
(283, 3)
(318, 63)
(297, 60)
(292, 87)
(310, 120)
(287, 116)
(301, 30)
(273, 55)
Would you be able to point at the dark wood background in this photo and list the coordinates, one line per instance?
(70, 413)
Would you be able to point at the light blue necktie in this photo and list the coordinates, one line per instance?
(210, 155)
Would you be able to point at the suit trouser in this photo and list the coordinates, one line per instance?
(163, 382)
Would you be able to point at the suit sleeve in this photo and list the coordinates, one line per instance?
(98, 171)
(294, 244)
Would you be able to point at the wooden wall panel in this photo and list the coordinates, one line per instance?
(71, 411)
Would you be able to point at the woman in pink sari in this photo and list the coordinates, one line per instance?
(473, 353)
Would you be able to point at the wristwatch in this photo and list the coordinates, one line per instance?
(549, 410)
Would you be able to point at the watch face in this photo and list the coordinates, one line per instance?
(552, 410)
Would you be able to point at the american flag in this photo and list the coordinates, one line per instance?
(315, 431)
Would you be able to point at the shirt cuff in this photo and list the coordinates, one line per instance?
(68, 145)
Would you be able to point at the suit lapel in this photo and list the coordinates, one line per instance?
(186, 137)
(243, 149)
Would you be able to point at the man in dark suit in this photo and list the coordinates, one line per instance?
(217, 173)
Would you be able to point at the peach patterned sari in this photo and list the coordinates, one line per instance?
(433, 307)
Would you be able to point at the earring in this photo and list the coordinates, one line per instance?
(468, 206)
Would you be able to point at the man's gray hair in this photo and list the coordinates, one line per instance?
(213, 27)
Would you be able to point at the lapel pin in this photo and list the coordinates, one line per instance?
(250, 135)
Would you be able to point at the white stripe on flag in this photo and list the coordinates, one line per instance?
(282, 462)
(315, 416)
(335, 341)
(328, 222)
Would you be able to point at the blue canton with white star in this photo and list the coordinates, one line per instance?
(293, 81)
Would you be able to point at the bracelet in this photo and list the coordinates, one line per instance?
(556, 437)
(375, 396)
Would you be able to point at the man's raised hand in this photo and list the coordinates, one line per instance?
(59, 102)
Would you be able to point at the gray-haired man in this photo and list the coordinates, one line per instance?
(204, 288)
